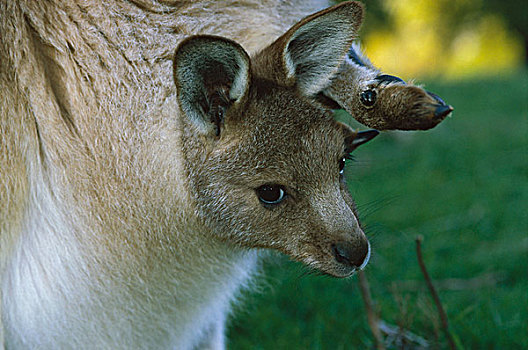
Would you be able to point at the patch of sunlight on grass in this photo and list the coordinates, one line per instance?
(486, 48)
(423, 41)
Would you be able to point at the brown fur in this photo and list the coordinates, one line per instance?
(397, 105)
(131, 154)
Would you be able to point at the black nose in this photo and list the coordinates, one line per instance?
(352, 253)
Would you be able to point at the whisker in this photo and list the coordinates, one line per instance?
(369, 208)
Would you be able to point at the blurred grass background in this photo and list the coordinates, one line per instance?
(446, 39)
(462, 185)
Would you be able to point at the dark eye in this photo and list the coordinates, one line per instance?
(368, 97)
(342, 166)
(271, 194)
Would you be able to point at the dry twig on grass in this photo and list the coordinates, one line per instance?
(372, 317)
(434, 294)
(401, 338)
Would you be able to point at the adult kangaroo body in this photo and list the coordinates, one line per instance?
(136, 182)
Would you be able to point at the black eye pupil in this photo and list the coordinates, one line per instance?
(271, 194)
(368, 97)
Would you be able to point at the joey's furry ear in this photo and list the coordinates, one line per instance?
(211, 74)
(312, 50)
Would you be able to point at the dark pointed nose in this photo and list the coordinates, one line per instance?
(354, 254)
(442, 111)
(442, 108)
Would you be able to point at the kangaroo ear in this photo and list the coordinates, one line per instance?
(212, 74)
(361, 138)
(312, 50)
(354, 139)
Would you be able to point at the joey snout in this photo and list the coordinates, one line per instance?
(341, 246)
(346, 256)
(354, 254)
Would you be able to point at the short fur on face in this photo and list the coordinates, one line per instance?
(275, 146)
(272, 131)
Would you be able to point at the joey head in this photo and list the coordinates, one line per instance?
(265, 158)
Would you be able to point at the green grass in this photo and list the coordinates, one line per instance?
(464, 187)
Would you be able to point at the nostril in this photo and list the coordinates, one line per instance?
(340, 254)
(351, 253)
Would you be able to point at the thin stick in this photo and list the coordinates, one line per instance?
(434, 294)
(371, 314)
